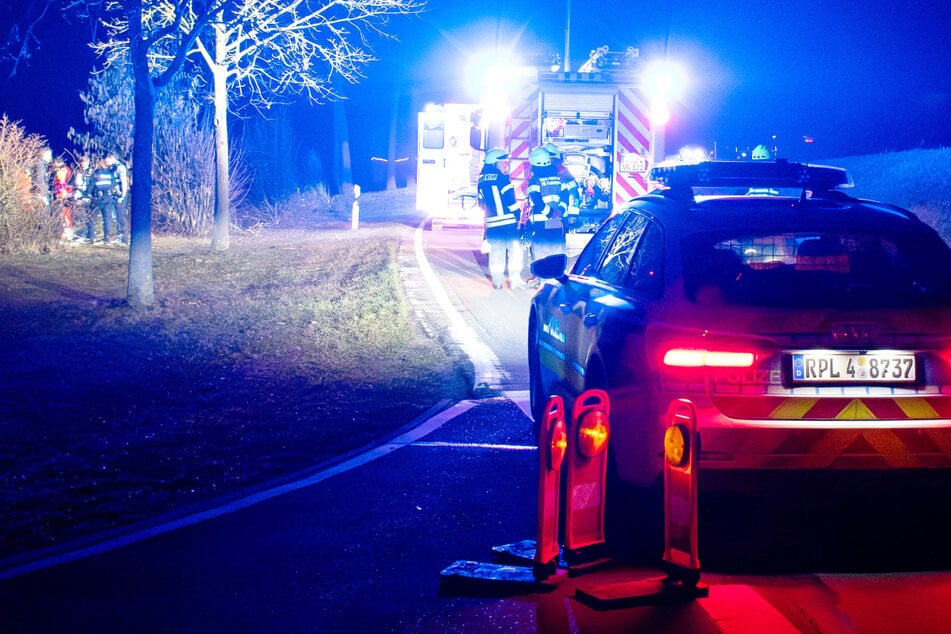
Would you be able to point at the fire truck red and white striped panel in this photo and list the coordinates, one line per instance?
(633, 137)
(522, 134)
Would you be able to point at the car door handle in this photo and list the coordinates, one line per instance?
(589, 319)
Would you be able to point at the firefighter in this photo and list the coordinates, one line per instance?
(502, 215)
(41, 176)
(548, 205)
(569, 184)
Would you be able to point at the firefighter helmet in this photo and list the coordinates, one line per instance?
(761, 153)
(539, 157)
(552, 149)
(495, 155)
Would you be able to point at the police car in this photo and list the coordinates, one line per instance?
(807, 329)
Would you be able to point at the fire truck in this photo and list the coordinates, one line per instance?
(598, 118)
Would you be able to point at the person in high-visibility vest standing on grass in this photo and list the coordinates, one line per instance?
(502, 214)
(121, 195)
(548, 205)
(102, 191)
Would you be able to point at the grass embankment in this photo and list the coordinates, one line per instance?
(289, 349)
(918, 180)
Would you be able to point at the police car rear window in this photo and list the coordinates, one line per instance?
(817, 268)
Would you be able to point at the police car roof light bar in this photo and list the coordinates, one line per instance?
(759, 174)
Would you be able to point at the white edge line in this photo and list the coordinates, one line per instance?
(522, 399)
(476, 445)
(488, 368)
(427, 426)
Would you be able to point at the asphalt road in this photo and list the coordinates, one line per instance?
(358, 545)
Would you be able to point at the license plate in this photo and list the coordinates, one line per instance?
(853, 367)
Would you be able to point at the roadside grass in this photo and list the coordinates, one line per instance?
(291, 348)
(918, 180)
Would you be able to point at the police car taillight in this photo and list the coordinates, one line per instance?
(694, 359)
(700, 358)
(687, 369)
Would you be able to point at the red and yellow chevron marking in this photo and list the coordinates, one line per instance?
(521, 130)
(844, 409)
(825, 432)
(767, 448)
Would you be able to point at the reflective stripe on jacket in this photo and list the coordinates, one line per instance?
(547, 197)
(497, 195)
(103, 181)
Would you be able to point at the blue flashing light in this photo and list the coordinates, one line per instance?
(759, 174)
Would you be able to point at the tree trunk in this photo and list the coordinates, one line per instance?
(342, 136)
(220, 234)
(140, 291)
(391, 162)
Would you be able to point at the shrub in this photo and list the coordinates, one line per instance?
(28, 224)
(302, 208)
(183, 169)
(183, 173)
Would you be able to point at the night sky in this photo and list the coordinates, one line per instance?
(857, 77)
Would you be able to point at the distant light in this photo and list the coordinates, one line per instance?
(693, 154)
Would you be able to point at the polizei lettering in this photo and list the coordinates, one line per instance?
(748, 376)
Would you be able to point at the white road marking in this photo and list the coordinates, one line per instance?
(488, 368)
(520, 398)
(476, 445)
(429, 424)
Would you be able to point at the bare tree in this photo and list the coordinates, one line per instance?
(260, 49)
(183, 168)
(20, 21)
(154, 35)
(264, 51)
(151, 32)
